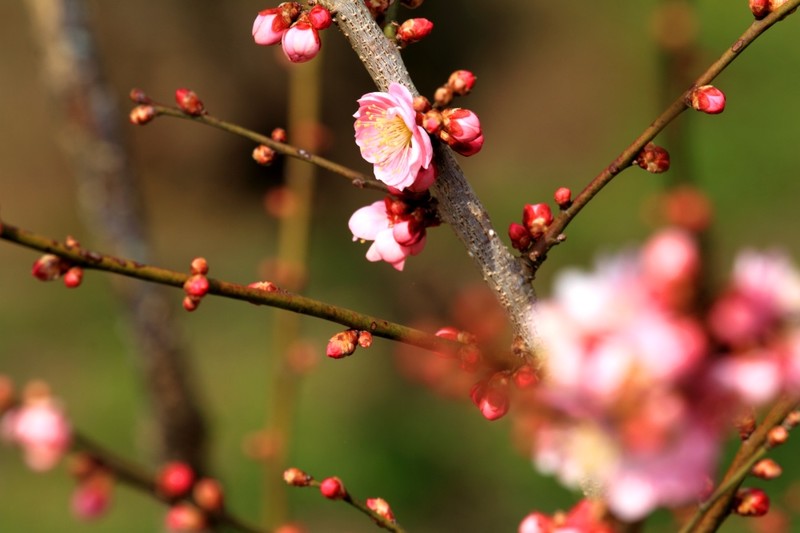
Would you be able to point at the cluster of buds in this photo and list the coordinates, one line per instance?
(458, 127)
(345, 343)
(296, 29)
(144, 111)
(263, 154)
(536, 218)
(196, 286)
(653, 158)
(762, 8)
(51, 267)
(707, 99)
(194, 501)
(413, 31)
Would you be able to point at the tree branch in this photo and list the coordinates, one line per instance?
(458, 205)
(280, 299)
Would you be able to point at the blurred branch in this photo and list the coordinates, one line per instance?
(715, 510)
(281, 299)
(138, 477)
(458, 205)
(357, 178)
(88, 124)
(554, 234)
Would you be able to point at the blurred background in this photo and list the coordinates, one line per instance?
(562, 88)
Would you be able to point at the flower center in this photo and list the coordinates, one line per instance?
(388, 132)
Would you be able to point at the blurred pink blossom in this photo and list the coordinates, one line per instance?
(387, 133)
(41, 429)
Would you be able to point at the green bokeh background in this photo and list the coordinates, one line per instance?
(563, 87)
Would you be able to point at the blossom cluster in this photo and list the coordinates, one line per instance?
(296, 30)
(639, 385)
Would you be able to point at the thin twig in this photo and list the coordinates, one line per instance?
(358, 179)
(554, 234)
(281, 299)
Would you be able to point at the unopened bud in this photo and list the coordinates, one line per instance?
(381, 508)
(196, 286)
(443, 96)
(421, 104)
(175, 479)
(142, 114)
(490, 396)
(524, 377)
(138, 96)
(413, 30)
(653, 159)
(455, 334)
(73, 277)
(278, 135)
(319, 17)
(332, 488)
(461, 82)
(745, 423)
(296, 477)
(49, 267)
(189, 102)
(519, 235)
(767, 469)
(751, 502)
(760, 8)
(208, 495)
(266, 286)
(342, 344)
(432, 121)
(792, 419)
(364, 339)
(190, 304)
(777, 436)
(263, 155)
(185, 517)
(563, 197)
(199, 265)
(707, 99)
(536, 218)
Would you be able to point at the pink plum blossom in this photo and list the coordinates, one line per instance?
(387, 133)
(393, 242)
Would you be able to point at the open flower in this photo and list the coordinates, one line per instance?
(389, 137)
(393, 242)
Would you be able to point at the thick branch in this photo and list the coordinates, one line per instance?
(458, 204)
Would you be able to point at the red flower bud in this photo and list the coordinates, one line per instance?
(319, 17)
(73, 277)
(91, 497)
(421, 104)
(653, 159)
(707, 99)
(278, 135)
(524, 377)
(760, 8)
(490, 396)
(175, 479)
(301, 42)
(199, 266)
(332, 488)
(207, 494)
(342, 344)
(767, 469)
(536, 218)
(461, 82)
(520, 237)
(364, 339)
(49, 267)
(185, 517)
(142, 114)
(432, 121)
(751, 502)
(413, 30)
(138, 96)
(190, 304)
(196, 286)
(443, 96)
(563, 197)
(189, 102)
(381, 508)
(777, 436)
(296, 477)
(263, 155)
(461, 129)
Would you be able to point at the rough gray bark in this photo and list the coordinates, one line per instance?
(459, 207)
